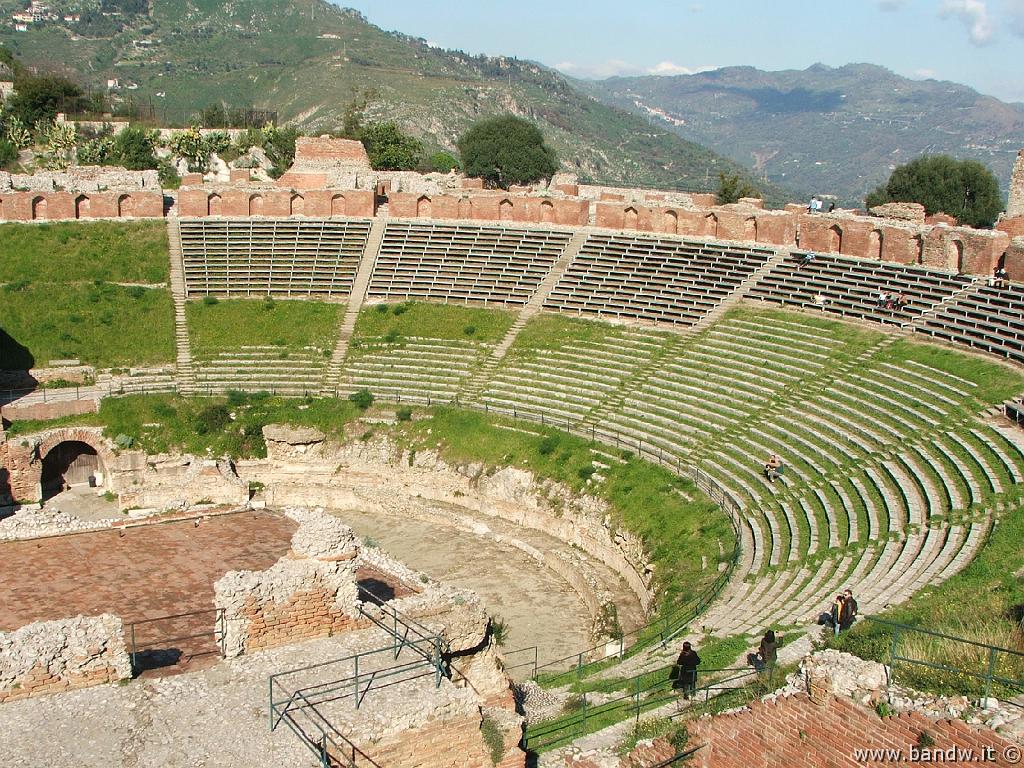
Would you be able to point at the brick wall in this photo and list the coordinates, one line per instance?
(200, 202)
(444, 743)
(794, 731)
(521, 209)
(1015, 206)
(55, 656)
(304, 615)
(62, 206)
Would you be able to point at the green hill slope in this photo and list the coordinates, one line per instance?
(308, 59)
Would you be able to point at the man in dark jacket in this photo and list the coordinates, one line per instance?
(685, 672)
(849, 612)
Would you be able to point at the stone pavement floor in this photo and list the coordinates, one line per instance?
(214, 717)
(139, 573)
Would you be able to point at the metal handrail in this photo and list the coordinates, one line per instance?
(219, 632)
(989, 676)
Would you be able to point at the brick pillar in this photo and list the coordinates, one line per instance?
(1016, 204)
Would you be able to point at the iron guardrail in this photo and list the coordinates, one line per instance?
(644, 695)
(162, 642)
(999, 671)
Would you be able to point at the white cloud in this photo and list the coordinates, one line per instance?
(671, 68)
(974, 15)
(1014, 10)
(599, 71)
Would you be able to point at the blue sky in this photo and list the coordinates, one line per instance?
(976, 42)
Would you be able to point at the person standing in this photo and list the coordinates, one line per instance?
(837, 612)
(685, 671)
(849, 613)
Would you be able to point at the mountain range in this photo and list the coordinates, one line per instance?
(309, 61)
(824, 130)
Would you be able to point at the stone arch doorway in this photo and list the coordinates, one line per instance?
(71, 462)
(39, 208)
(956, 255)
(835, 239)
(82, 207)
(505, 210)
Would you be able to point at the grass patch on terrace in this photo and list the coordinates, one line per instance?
(644, 499)
(433, 321)
(552, 331)
(835, 330)
(230, 324)
(995, 382)
(983, 603)
(101, 324)
(121, 252)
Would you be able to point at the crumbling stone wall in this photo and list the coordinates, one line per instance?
(54, 656)
(489, 206)
(250, 200)
(794, 730)
(446, 742)
(176, 482)
(22, 458)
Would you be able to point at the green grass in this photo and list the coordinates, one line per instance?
(549, 331)
(434, 321)
(291, 325)
(129, 252)
(104, 325)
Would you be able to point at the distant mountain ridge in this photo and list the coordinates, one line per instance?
(824, 130)
(307, 59)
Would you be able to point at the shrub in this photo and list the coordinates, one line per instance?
(547, 445)
(391, 336)
(211, 418)
(382, 309)
(492, 738)
(585, 473)
(401, 309)
(210, 300)
(362, 399)
(404, 414)
(499, 630)
(469, 330)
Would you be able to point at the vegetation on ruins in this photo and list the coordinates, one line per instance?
(443, 162)
(73, 306)
(732, 187)
(965, 189)
(389, 149)
(229, 325)
(418, 318)
(506, 150)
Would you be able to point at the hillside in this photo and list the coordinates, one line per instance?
(307, 60)
(824, 130)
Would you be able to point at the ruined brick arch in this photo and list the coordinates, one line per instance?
(38, 208)
(2, 208)
(82, 206)
(671, 222)
(423, 207)
(547, 212)
(213, 205)
(339, 205)
(505, 210)
(255, 205)
(876, 241)
(61, 437)
(297, 205)
(125, 206)
(750, 229)
(631, 218)
(835, 239)
(711, 225)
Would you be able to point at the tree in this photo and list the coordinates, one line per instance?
(390, 149)
(731, 187)
(506, 150)
(443, 162)
(8, 153)
(133, 149)
(965, 189)
(39, 99)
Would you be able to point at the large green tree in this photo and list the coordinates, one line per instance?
(965, 189)
(133, 148)
(38, 99)
(506, 150)
(389, 149)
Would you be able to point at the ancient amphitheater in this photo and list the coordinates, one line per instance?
(701, 338)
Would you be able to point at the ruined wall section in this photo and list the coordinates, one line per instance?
(64, 205)
(55, 656)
